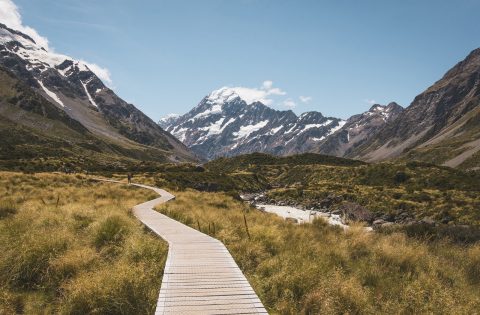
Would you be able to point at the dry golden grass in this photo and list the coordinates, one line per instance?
(72, 246)
(319, 269)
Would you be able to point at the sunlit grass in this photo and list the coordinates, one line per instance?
(72, 246)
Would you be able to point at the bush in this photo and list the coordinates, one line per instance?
(112, 230)
(454, 233)
(401, 177)
(7, 209)
(120, 289)
(26, 262)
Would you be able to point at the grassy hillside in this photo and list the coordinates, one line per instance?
(249, 161)
(70, 246)
(36, 135)
(461, 148)
(318, 269)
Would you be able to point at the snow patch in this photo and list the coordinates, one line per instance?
(88, 94)
(51, 94)
(341, 123)
(309, 126)
(245, 131)
(215, 109)
(222, 96)
(180, 134)
(275, 130)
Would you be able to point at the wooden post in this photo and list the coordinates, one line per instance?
(58, 200)
(246, 225)
(198, 224)
(214, 231)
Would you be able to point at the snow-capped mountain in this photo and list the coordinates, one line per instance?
(71, 86)
(358, 129)
(225, 124)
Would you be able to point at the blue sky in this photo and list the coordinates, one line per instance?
(339, 56)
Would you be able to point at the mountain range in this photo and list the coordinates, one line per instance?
(441, 126)
(55, 109)
(224, 124)
(54, 106)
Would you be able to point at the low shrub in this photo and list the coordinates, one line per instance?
(111, 231)
(7, 208)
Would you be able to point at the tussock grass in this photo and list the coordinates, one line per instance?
(319, 269)
(72, 246)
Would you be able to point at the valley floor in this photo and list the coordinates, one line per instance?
(72, 246)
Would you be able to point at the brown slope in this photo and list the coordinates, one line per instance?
(440, 124)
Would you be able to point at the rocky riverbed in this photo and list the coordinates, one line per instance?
(333, 208)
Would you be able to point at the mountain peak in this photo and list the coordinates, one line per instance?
(4, 29)
(222, 96)
(392, 106)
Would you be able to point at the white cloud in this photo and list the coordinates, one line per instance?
(289, 103)
(305, 99)
(370, 101)
(262, 94)
(267, 84)
(10, 16)
(101, 72)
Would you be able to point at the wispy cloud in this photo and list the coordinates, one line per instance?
(96, 26)
(11, 17)
(370, 101)
(263, 94)
(289, 103)
(101, 72)
(305, 99)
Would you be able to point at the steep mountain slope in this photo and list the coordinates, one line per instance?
(442, 125)
(358, 129)
(75, 90)
(224, 124)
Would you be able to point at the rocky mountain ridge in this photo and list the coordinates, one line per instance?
(442, 124)
(224, 124)
(73, 88)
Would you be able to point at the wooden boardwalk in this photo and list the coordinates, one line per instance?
(200, 275)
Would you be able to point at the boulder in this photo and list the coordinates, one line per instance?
(355, 212)
(428, 221)
(379, 222)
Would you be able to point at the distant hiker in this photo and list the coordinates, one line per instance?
(129, 177)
